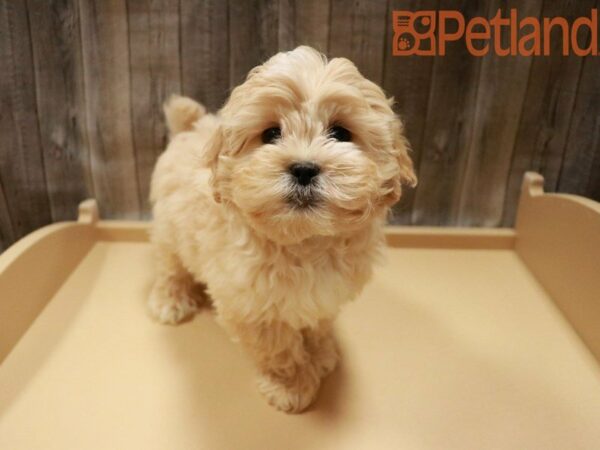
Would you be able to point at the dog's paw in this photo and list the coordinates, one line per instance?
(293, 397)
(326, 357)
(323, 351)
(171, 308)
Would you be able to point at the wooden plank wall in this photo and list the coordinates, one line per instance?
(82, 83)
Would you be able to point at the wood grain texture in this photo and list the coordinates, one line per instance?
(108, 102)
(83, 81)
(204, 39)
(7, 234)
(547, 109)
(408, 80)
(57, 60)
(304, 22)
(500, 95)
(356, 33)
(452, 98)
(154, 67)
(580, 172)
(21, 161)
(253, 36)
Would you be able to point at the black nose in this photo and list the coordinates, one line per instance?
(304, 172)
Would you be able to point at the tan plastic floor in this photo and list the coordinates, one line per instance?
(446, 349)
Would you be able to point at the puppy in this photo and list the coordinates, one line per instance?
(277, 205)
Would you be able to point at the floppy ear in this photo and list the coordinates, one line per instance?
(402, 147)
(210, 157)
(405, 171)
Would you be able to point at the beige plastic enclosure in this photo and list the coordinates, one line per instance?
(465, 339)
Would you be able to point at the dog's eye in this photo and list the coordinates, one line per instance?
(340, 134)
(270, 135)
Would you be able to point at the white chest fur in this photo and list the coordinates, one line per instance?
(252, 279)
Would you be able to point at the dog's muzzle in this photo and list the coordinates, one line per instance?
(302, 197)
(304, 179)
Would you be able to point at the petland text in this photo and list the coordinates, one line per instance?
(427, 33)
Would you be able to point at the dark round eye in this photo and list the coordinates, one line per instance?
(270, 135)
(340, 134)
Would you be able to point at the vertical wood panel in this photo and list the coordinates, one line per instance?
(408, 80)
(356, 33)
(106, 67)
(500, 94)
(547, 109)
(155, 74)
(83, 81)
(447, 134)
(253, 34)
(21, 161)
(581, 167)
(204, 37)
(58, 66)
(304, 22)
(7, 234)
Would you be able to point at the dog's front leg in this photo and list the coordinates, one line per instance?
(173, 297)
(288, 377)
(321, 345)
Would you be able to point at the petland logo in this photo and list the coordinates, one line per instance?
(427, 33)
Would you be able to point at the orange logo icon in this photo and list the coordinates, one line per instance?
(414, 33)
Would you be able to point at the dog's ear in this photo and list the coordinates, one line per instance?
(210, 156)
(406, 172)
(402, 147)
(400, 171)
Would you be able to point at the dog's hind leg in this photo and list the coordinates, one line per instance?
(174, 296)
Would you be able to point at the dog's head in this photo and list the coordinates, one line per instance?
(308, 147)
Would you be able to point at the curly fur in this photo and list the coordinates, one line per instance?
(277, 274)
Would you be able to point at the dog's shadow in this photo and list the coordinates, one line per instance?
(220, 401)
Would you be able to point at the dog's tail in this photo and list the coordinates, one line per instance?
(182, 113)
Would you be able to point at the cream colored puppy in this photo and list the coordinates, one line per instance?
(277, 205)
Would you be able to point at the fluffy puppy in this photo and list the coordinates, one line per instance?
(277, 205)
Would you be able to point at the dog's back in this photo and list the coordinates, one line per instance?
(190, 127)
(182, 201)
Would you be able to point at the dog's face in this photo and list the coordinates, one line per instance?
(308, 147)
